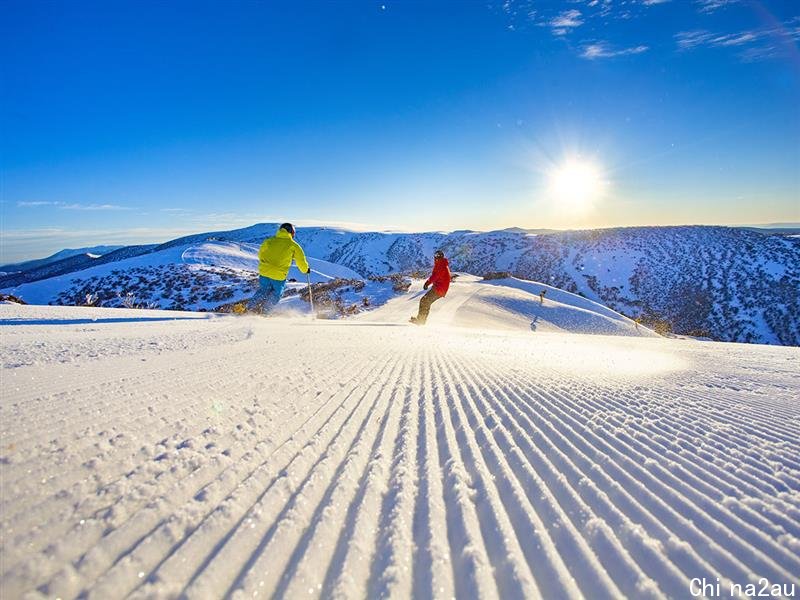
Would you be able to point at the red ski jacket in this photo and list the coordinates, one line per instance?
(440, 278)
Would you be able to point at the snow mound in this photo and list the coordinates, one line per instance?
(232, 255)
(511, 304)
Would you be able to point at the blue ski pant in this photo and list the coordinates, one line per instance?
(268, 294)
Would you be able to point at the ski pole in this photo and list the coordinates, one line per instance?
(310, 296)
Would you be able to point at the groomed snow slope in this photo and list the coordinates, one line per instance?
(160, 454)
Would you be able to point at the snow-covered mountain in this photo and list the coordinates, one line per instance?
(93, 251)
(730, 284)
(70, 264)
(210, 274)
(199, 276)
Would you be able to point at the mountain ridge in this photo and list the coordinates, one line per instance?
(726, 283)
(57, 256)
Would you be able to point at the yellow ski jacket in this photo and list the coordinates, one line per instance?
(276, 254)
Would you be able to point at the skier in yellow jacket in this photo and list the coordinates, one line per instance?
(274, 259)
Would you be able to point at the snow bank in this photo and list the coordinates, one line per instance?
(510, 304)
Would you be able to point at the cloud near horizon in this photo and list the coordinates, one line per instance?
(71, 205)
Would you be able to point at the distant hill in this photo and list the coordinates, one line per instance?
(60, 255)
(71, 264)
(724, 283)
(788, 229)
(773, 226)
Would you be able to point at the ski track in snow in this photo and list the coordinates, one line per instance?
(246, 457)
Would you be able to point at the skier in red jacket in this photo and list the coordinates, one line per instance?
(440, 280)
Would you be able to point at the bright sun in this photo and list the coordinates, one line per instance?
(576, 186)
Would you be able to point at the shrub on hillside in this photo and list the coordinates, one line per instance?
(11, 298)
(496, 275)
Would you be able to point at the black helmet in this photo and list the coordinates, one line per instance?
(438, 254)
(288, 227)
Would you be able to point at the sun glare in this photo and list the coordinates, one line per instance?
(575, 186)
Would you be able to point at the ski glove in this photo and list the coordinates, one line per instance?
(426, 285)
(309, 271)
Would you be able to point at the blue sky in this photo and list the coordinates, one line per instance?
(138, 122)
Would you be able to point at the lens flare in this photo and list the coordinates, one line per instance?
(575, 186)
